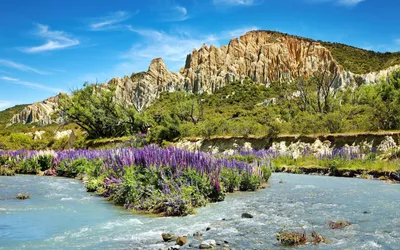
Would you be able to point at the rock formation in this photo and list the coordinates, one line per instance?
(40, 112)
(141, 88)
(263, 56)
(260, 55)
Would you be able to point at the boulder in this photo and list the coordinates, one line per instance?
(247, 216)
(37, 135)
(62, 134)
(168, 237)
(181, 240)
(50, 172)
(208, 244)
(22, 196)
(176, 247)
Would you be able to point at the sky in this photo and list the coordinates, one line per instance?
(48, 46)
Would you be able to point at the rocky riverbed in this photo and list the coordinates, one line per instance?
(62, 215)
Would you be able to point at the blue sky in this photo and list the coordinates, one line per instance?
(50, 46)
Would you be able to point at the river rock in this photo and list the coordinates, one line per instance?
(208, 244)
(22, 196)
(62, 134)
(338, 224)
(197, 234)
(181, 240)
(50, 172)
(168, 237)
(176, 247)
(247, 216)
(37, 135)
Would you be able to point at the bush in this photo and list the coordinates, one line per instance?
(44, 162)
(249, 182)
(20, 141)
(95, 185)
(231, 180)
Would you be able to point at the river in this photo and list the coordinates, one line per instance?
(62, 215)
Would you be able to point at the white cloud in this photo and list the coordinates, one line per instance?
(111, 21)
(31, 84)
(9, 78)
(237, 2)
(172, 47)
(55, 40)
(176, 13)
(340, 2)
(397, 41)
(350, 2)
(22, 67)
(169, 47)
(238, 32)
(4, 104)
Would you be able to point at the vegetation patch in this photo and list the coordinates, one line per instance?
(165, 181)
(291, 238)
(296, 238)
(22, 196)
(338, 224)
(361, 61)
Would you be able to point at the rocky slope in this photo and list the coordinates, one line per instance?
(263, 56)
(40, 112)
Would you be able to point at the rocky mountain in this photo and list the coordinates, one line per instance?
(263, 56)
(39, 112)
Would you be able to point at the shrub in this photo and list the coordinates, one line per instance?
(95, 185)
(249, 182)
(44, 162)
(231, 180)
(291, 238)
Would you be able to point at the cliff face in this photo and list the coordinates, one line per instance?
(260, 55)
(40, 112)
(263, 56)
(141, 88)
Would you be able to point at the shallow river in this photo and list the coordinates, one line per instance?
(61, 215)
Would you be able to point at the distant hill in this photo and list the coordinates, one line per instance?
(6, 115)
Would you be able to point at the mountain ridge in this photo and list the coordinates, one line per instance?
(262, 55)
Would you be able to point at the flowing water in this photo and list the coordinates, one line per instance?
(61, 215)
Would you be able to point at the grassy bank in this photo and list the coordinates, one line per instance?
(343, 162)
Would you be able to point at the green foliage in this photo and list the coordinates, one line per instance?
(249, 182)
(20, 141)
(81, 166)
(44, 162)
(95, 109)
(361, 61)
(230, 179)
(5, 171)
(29, 167)
(266, 173)
(95, 185)
(240, 108)
(60, 144)
(6, 115)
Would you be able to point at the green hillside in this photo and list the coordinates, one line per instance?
(361, 61)
(7, 114)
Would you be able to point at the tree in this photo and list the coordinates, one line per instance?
(317, 92)
(95, 109)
